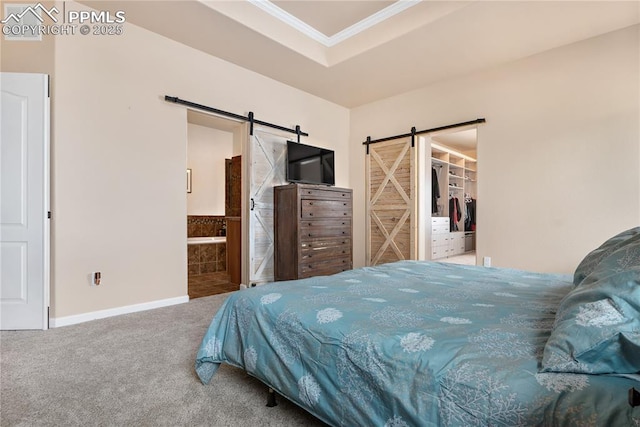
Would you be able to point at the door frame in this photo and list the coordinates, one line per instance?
(47, 204)
(423, 164)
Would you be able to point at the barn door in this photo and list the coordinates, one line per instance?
(390, 202)
(267, 157)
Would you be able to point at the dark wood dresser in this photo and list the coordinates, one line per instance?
(313, 231)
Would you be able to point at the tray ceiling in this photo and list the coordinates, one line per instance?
(356, 52)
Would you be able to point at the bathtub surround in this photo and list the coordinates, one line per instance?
(207, 256)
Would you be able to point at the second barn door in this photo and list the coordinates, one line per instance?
(390, 202)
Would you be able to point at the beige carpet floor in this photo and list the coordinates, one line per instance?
(130, 370)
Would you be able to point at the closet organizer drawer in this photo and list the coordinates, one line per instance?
(440, 240)
(325, 209)
(439, 225)
(324, 267)
(440, 229)
(316, 250)
(440, 220)
(328, 228)
(439, 252)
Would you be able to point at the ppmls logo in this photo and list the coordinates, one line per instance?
(33, 10)
(30, 22)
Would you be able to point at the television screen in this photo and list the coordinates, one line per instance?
(310, 165)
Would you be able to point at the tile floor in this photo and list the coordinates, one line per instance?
(204, 285)
(468, 258)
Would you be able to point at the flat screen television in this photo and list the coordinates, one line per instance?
(309, 165)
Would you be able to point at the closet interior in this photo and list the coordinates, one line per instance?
(453, 194)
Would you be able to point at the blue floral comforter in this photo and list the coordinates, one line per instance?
(413, 343)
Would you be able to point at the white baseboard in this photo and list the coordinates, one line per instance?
(56, 322)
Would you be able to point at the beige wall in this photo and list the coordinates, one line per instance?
(27, 56)
(559, 156)
(119, 154)
(207, 148)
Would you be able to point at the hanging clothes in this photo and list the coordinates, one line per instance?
(435, 190)
(454, 214)
(470, 219)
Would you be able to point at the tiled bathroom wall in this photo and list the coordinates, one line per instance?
(205, 226)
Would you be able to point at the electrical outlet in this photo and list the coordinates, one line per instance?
(486, 261)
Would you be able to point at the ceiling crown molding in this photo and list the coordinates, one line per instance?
(312, 33)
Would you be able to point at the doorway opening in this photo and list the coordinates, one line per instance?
(454, 190)
(213, 204)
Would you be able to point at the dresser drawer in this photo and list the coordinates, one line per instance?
(324, 267)
(325, 209)
(324, 249)
(324, 228)
(325, 194)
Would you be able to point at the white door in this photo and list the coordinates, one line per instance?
(24, 183)
(266, 158)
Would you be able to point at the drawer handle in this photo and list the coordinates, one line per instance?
(310, 213)
(310, 203)
(309, 234)
(344, 223)
(344, 252)
(344, 232)
(344, 204)
(310, 224)
(344, 213)
(343, 242)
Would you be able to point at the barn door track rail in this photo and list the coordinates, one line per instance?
(414, 132)
(249, 118)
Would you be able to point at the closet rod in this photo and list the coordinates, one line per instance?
(249, 118)
(370, 141)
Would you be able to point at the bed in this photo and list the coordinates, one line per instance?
(426, 343)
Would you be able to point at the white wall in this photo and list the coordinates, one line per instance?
(119, 154)
(559, 156)
(207, 148)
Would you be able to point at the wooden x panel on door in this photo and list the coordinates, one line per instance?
(391, 202)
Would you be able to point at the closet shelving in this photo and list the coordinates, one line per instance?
(457, 177)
